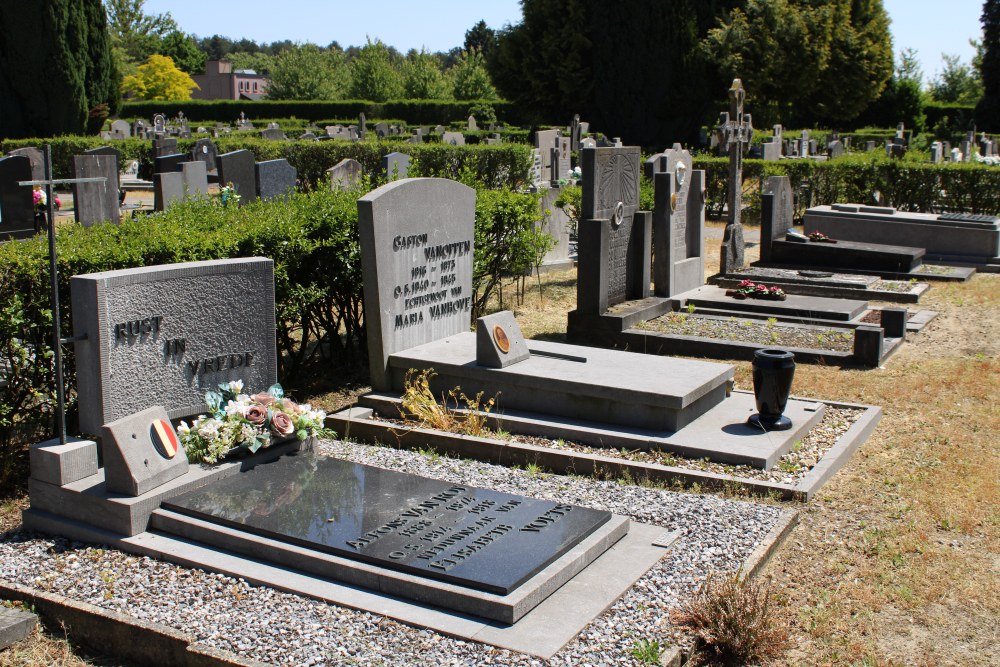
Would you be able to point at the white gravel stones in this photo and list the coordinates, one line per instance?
(280, 628)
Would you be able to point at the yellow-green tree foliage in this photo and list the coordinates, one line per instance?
(159, 79)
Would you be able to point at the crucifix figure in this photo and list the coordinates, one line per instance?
(735, 129)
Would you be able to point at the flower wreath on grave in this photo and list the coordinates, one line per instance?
(820, 237)
(241, 423)
(748, 289)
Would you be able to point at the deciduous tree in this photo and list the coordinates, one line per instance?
(159, 79)
(307, 72)
(374, 74)
(472, 81)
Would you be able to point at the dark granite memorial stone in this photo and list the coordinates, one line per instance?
(168, 187)
(275, 178)
(204, 150)
(17, 207)
(237, 168)
(167, 163)
(37, 158)
(478, 538)
(113, 152)
(164, 146)
(96, 202)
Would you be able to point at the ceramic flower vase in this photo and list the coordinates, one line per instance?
(772, 383)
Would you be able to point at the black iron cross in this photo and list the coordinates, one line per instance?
(57, 339)
(735, 129)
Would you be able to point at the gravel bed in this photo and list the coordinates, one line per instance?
(791, 468)
(752, 331)
(717, 535)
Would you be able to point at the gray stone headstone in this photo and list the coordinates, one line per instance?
(307, 136)
(159, 122)
(204, 150)
(574, 133)
(37, 159)
(163, 335)
(396, 166)
(238, 168)
(536, 168)
(835, 149)
(17, 205)
(777, 209)
(164, 146)
(545, 141)
(345, 175)
(362, 125)
(195, 179)
(869, 146)
(95, 203)
(614, 236)
(141, 452)
(471, 125)
(453, 138)
(120, 129)
(168, 188)
(678, 224)
(439, 129)
(937, 152)
(588, 142)
(273, 134)
(499, 341)
(111, 152)
(381, 130)
(275, 178)
(417, 238)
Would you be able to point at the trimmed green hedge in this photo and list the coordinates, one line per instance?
(496, 167)
(414, 112)
(313, 240)
(905, 185)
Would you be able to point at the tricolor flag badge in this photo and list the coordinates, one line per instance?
(164, 439)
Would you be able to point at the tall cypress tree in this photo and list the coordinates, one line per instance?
(55, 67)
(988, 109)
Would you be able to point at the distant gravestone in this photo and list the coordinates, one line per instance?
(536, 168)
(835, 149)
(273, 134)
(164, 146)
(362, 125)
(238, 168)
(159, 123)
(545, 141)
(614, 236)
(562, 162)
(168, 188)
(95, 203)
(275, 178)
(869, 146)
(195, 178)
(771, 147)
(574, 133)
(381, 130)
(163, 335)
(17, 206)
(937, 152)
(453, 138)
(345, 175)
(168, 163)
(37, 159)
(777, 207)
(678, 224)
(471, 124)
(120, 129)
(307, 136)
(204, 150)
(113, 153)
(439, 129)
(396, 166)
(735, 131)
(141, 452)
(417, 239)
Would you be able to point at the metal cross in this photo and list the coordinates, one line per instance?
(57, 339)
(735, 129)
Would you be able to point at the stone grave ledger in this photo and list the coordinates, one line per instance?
(951, 236)
(615, 238)
(417, 240)
(163, 335)
(478, 538)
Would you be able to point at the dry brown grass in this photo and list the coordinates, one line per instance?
(42, 649)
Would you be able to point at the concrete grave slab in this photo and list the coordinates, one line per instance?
(15, 625)
(813, 307)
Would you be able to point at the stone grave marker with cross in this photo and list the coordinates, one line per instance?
(734, 132)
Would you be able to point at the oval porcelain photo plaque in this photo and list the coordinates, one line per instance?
(500, 336)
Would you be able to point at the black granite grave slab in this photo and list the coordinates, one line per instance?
(850, 255)
(478, 538)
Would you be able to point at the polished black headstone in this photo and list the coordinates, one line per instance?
(238, 168)
(164, 164)
(478, 538)
(17, 207)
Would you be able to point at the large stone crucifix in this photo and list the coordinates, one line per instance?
(735, 129)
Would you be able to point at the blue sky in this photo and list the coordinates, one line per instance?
(931, 27)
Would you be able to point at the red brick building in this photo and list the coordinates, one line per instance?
(221, 82)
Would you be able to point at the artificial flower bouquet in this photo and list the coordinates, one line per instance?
(242, 422)
(748, 289)
(820, 237)
(41, 200)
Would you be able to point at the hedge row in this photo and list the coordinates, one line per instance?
(496, 167)
(414, 112)
(313, 240)
(862, 178)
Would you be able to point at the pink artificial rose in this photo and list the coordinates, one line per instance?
(282, 424)
(288, 405)
(263, 398)
(58, 204)
(256, 415)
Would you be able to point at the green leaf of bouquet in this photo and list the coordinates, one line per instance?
(276, 391)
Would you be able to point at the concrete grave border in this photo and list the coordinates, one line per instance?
(359, 424)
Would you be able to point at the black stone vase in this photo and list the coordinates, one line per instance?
(772, 382)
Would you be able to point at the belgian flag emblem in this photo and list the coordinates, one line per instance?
(164, 439)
